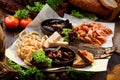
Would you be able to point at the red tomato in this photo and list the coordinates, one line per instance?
(24, 22)
(84, 52)
(11, 22)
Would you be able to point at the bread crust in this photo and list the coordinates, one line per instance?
(110, 4)
(88, 58)
(78, 62)
(83, 60)
(91, 5)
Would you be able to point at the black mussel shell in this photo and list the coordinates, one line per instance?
(66, 59)
(49, 26)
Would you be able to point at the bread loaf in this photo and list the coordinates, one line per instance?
(91, 5)
(114, 73)
(110, 4)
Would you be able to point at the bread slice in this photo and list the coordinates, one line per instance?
(58, 43)
(54, 37)
(86, 56)
(78, 62)
(83, 58)
(55, 40)
(110, 4)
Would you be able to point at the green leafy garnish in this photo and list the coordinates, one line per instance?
(34, 73)
(83, 15)
(36, 8)
(54, 4)
(40, 57)
(21, 14)
(18, 68)
(65, 33)
(80, 75)
(26, 74)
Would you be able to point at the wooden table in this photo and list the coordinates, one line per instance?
(115, 59)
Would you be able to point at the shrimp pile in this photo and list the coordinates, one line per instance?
(93, 33)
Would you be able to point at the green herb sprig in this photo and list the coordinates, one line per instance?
(27, 74)
(80, 75)
(83, 15)
(21, 14)
(40, 57)
(54, 4)
(65, 32)
(36, 8)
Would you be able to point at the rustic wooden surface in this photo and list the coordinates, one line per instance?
(2, 46)
(6, 72)
(114, 60)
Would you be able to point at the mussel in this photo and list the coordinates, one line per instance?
(51, 25)
(61, 56)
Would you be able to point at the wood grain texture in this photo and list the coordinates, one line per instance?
(2, 45)
(6, 72)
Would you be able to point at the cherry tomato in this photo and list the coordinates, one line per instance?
(84, 52)
(11, 22)
(24, 22)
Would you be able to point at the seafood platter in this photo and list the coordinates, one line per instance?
(57, 44)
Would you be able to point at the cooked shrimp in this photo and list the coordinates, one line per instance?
(94, 33)
(87, 39)
(82, 32)
(101, 38)
(96, 42)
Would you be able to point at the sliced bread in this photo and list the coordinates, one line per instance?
(78, 62)
(86, 56)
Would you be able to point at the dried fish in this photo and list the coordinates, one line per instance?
(98, 52)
